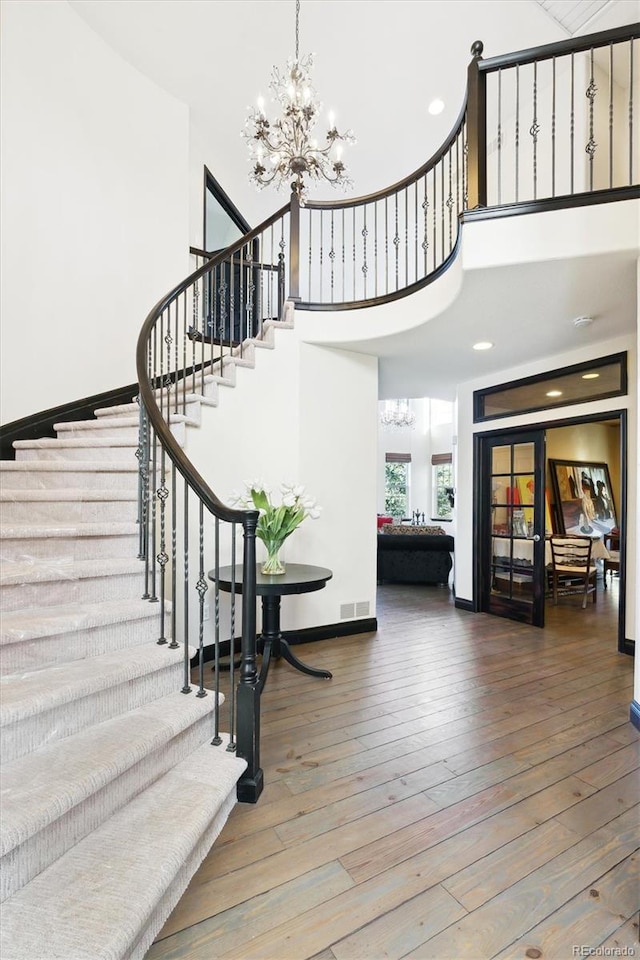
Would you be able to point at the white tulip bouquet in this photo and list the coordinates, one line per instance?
(276, 523)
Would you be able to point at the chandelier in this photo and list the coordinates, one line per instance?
(396, 413)
(285, 148)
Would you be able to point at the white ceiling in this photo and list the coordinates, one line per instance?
(378, 64)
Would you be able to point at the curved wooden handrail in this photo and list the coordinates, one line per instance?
(166, 439)
(401, 184)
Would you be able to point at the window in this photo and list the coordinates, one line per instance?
(442, 486)
(396, 484)
(580, 383)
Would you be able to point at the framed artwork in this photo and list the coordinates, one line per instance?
(584, 500)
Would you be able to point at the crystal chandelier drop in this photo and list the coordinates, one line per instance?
(285, 148)
(396, 413)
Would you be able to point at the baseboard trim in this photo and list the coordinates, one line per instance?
(347, 628)
(461, 604)
(634, 714)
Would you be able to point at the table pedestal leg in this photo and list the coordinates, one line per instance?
(276, 646)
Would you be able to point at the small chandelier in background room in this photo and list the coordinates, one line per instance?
(284, 150)
(396, 413)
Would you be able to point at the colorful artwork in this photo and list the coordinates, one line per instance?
(584, 499)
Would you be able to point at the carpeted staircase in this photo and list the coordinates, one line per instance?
(111, 791)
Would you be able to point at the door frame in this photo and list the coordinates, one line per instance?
(625, 645)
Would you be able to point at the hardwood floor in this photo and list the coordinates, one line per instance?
(464, 787)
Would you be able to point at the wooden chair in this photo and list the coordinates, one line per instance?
(611, 564)
(572, 570)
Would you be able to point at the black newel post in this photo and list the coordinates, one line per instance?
(248, 735)
(294, 243)
(476, 131)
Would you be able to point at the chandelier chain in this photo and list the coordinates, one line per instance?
(297, 30)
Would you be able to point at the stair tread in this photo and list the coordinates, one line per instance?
(20, 531)
(71, 466)
(74, 443)
(42, 786)
(63, 569)
(102, 423)
(34, 622)
(148, 842)
(51, 687)
(74, 495)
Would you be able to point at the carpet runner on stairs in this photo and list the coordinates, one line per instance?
(112, 793)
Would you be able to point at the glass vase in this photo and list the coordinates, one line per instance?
(273, 564)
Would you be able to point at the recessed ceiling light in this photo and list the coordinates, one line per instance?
(590, 376)
(554, 393)
(483, 345)
(435, 107)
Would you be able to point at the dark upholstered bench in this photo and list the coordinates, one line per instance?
(414, 557)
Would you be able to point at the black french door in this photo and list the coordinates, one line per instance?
(511, 514)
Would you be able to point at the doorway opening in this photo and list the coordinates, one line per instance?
(518, 505)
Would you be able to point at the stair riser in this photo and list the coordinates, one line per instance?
(68, 511)
(63, 548)
(35, 854)
(126, 479)
(36, 731)
(126, 454)
(121, 586)
(28, 655)
(190, 410)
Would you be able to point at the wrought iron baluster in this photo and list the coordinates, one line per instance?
(232, 644)
(590, 94)
(534, 130)
(232, 306)
(364, 250)
(185, 595)
(406, 236)
(442, 206)
(201, 587)
(517, 132)
(553, 127)
(396, 239)
(162, 557)
(184, 338)
(631, 80)
(610, 116)
(242, 295)
(572, 125)
(386, 244)
(415, 228)
(425, 239)
(332, 255)
(435, 217)
(499, 137)
(375, 249)
(344, 267)
(154, 477)
(217, 739)
(270, 286)
(353, 238)
(194, 329)
(450, 200)
(174, 556)
(321, 287)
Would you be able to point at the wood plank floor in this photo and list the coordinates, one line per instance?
(464, 787)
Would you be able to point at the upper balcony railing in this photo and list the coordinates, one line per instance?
(549, 127)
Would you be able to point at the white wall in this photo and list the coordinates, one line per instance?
(306, 414)
(465, 465)
(94, 207)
